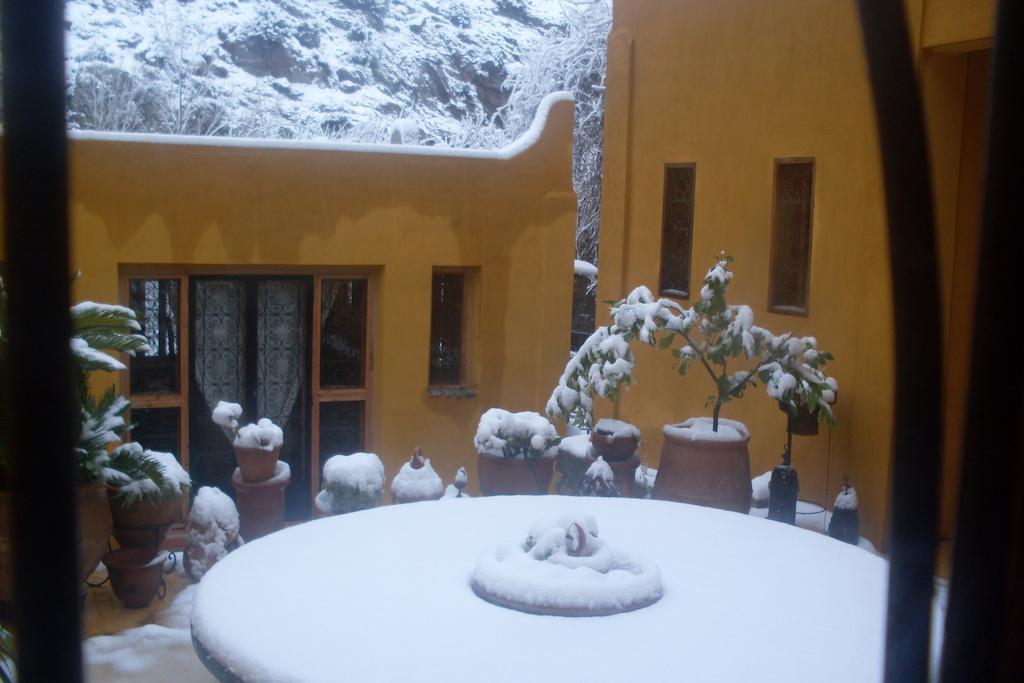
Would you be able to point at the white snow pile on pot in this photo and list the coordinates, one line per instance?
(212, 530)
(600, 470)
(701, 429)
(160, 652)
(351, 482)
(264, 435)
(759, 486)
(577, 446)
(564, 564)
(584, 268)
(417, 483)
(226, 415)
(616, 429)
(498, 428)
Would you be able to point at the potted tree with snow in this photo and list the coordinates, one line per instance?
(144, 510)
(704, 460)
(257, 446)
(515, 452)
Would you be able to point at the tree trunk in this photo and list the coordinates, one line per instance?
(714, 421)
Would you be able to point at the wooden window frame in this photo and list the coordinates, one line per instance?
(676, 293)
(318, 395)
(469, 287)
(797, 311)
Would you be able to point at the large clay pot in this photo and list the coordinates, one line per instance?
(701, 469)
(144, 523)
(94, 533)
(136, 575)
(501, 476)
(256, 464)
(613, 449)
(261, 504)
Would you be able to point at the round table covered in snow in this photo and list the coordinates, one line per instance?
(384, 595)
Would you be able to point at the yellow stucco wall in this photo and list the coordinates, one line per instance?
(400, 214)
(731, 86)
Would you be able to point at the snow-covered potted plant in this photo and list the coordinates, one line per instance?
(96, 328)
(144, 510)
(704, 459)
(257, 446)
(515, 452)
(351, 483)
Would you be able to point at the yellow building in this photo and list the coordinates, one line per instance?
(365, 297)
(732, 113)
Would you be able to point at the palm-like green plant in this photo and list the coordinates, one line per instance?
(97, 328)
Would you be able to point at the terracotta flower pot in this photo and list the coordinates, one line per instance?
(144, 523)
(501, 476)
(613, 449)
(136, 575)
(256, 464)
(625, 474)
(804, 423)
(700, 469)
(261, 504)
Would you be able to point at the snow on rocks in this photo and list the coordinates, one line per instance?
(417, 481)
(351, 482)
(700, 429)
(518, 435)
(264, 435)
(565, 568)
(212, 531)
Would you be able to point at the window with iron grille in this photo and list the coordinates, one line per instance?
(446, 327)
(789, 289)
(677, 230)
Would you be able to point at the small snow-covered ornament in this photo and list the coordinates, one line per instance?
(845, 523)
(461, 479)
(416, 481)
(599, 481)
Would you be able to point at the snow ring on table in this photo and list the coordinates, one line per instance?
(545, 575)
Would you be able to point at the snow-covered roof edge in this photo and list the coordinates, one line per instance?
(515, 148)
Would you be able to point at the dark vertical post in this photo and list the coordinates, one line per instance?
(917, 435)
(42, 404)
(983, 624)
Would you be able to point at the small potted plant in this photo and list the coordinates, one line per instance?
(144, 510)
(515, 452)
(257, 446)
(351, 483)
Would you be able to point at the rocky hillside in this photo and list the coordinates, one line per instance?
(295, 68)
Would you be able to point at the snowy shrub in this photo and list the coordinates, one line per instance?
(264, 435)
(351, 482)
(715, 336)
(174, 477)
(213, 526)
(516, 435)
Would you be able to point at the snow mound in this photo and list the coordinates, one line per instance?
(565, 568)
(413, 484)
(264, 435)
(212, 531)
(511, 434)
(226, 415)
(700, 429)
(759, 484)
(351, 482)
(577, 446)
(616, 429)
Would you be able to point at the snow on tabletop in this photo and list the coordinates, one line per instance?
(363, 471)
(759, 485)
(700, 429)
(226, 415)
(584, 268)
(418, 484)
(264, 435)
(616, 429)
(705, 557)
(577, 446)
(544, 571)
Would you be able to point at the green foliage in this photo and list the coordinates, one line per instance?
(8, 657)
